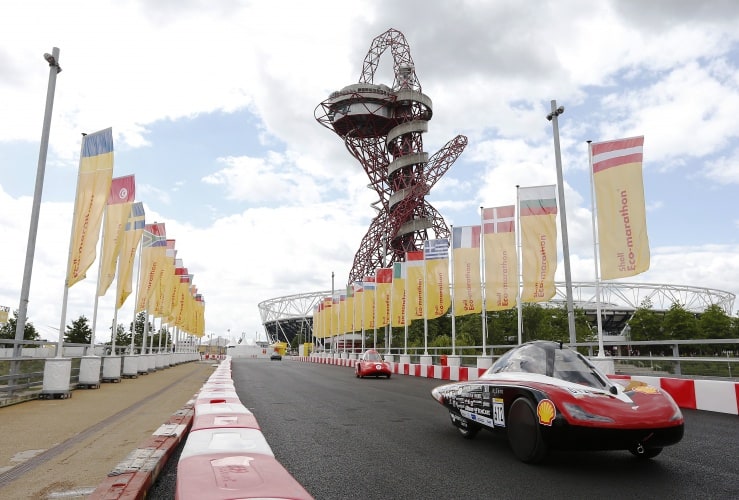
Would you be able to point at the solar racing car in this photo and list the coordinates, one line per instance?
(371, 364)
(544, 395)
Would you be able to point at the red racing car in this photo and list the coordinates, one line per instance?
(544, 395)
(371, 364)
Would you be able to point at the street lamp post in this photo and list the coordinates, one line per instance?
(552, 117)
(54, 69)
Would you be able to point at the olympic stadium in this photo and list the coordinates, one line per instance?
(286, 317)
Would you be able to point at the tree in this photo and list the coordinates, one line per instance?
(122, 337)
(680, 324)
(79, 332)
(714, 323)
(138, 328)
(7, 330)
(645, 324)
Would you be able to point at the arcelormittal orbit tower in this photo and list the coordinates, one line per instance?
(382, 127)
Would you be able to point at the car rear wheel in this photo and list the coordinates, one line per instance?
(640, 452)
(524, 435)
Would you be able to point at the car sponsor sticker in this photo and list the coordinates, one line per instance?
(546, 412)
(474, 417)
(498, 412)
(646, 389)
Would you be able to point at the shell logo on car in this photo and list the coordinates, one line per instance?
(546, 412)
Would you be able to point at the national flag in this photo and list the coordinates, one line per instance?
(466, 269)
(436, 257)
(538, 212)
(414, 283)
(383, 296)
(621, 210)
(93, 188)
(501, 262)
(466, 237)
(122, 195)
(131, 238)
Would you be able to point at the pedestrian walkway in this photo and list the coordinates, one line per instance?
(64, 448)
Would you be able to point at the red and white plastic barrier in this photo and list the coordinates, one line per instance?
(709, 395)
(226, 455)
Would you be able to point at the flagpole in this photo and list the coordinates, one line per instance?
(136, 301)
(97, 287)
(483, 294)
(425, 304)
(556, 111)
(60, 345)
(601, 352)
(519, 260)
(453, 281)
(331, 317)
(20, 325)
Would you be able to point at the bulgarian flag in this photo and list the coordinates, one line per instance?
(538, 214)
(619, 193)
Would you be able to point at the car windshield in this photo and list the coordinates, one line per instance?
(548, 358)
(372, 356)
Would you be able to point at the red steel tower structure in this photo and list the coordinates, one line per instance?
(382, 128)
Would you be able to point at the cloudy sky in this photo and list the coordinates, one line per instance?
(212, 109)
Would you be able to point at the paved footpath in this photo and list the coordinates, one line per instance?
(65, 448)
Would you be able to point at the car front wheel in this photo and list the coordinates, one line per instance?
(524, 435)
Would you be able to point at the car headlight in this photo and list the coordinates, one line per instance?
(578, 413)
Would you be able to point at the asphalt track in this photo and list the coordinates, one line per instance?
(342, 438)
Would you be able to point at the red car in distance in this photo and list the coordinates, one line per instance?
(371, 364)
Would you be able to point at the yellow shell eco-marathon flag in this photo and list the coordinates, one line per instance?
(153, 250)
(131, 237)
(538, 214)
(369, 298)
(4, 314)
(93, 187)
(383, 296)
(336, 314)
(436, 262)
(398, 295)
(466, 259)
(358, 305)
(619, 195)
(117, 210)
(349, 309)
(501, 261)
(414, 284)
